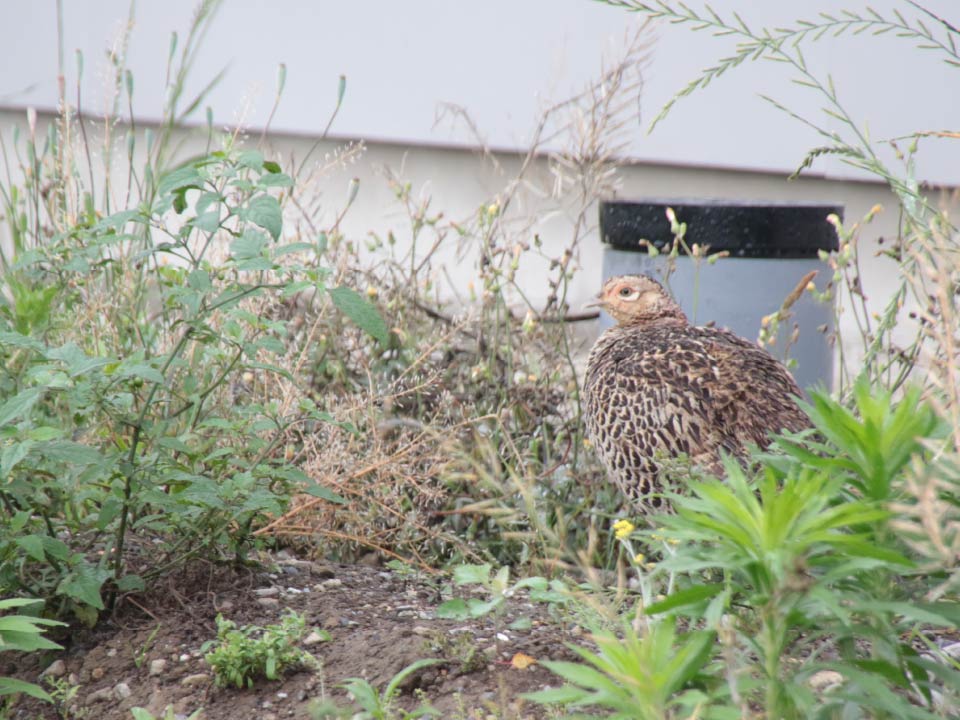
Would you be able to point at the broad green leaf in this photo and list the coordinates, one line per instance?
(264, 211)
(183, 177)
(472, 574)
(455, 609)
(249, 245)
(32, 545)
(19, 405)
(131, 583)
(361, 312)
(83, 584)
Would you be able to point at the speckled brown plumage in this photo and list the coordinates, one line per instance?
(656, 385)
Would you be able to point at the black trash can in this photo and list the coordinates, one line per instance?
(771, 247)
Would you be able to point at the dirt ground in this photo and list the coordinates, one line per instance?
(379, 621)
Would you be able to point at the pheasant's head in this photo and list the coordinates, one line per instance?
(638, 300)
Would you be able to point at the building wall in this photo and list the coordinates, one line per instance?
(461, 184)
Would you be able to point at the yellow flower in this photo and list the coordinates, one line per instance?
(639, 558)
(587, 443)
(623, 528)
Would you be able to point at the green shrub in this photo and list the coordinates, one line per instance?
(241, 655)
(796, 572)
(23, 633)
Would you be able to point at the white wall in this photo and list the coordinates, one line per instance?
(459, 182)
(503, 60)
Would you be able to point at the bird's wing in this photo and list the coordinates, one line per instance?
(756, 394)
(660, 394)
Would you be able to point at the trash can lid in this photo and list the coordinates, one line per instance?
(744, 229)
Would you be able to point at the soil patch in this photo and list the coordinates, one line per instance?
(379, 622)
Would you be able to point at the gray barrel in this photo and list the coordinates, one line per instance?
(771, 247)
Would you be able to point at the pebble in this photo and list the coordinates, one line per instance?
(122, 690)
(313, 638)
(185, 657)
(97, 673)
(268, 602)
(227, 606)
(321, 571)
(825, 680)
(157, 667)
(422, 631)
(267, 592)
(282, 695)
(195, 679)
(952, 650)
(58, 668)
(331, 583)
(112, 652)
(105, 693)
(371, 560)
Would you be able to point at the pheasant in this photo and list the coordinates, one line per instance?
(656, 386)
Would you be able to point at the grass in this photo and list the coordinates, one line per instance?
(198, 362)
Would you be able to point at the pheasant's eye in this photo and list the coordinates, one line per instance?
(625, 291)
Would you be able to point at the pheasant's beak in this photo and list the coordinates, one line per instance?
(597, 302)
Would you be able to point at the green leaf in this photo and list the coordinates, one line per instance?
(319, 491)
(252, 159)
(361, 312)
(472, 574)
(398, 679)
(184, 177)
(131, 583)
(33, 546)
(83, 584)
(19, 405)
(12, 686)
(681, 598)
(455, 609)
(264, 210)
(248, 246)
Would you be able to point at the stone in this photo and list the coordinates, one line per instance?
(268, 602)
(267, 592)
(321, 571)
(314, 638)
(952, 650)
(825, 680)
(122, 690)
(195, 679)
(157, 667)
(97, 673)
(105, 693)
(371, 559)
(58, 668)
